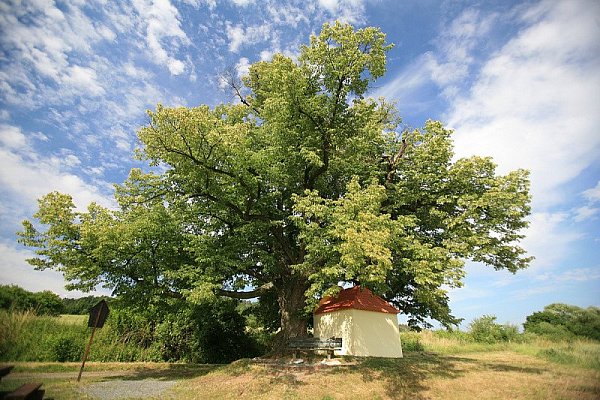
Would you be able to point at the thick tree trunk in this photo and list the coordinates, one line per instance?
(291, 299)
(291, 304)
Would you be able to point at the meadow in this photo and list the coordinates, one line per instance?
(437, 365)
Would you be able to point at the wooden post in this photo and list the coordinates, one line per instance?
(87, 349)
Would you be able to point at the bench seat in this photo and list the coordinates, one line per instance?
(29, 391)
(312, 344)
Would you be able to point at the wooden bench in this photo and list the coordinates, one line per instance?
(5, 370)
(29, 391)
(312, 344)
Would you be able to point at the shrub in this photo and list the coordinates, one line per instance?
(64, 348)
(220, 333)
(486, 330)
(411, 341)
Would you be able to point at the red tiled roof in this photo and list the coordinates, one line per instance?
(356, 298)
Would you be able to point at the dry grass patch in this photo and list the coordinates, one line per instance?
(495, 375)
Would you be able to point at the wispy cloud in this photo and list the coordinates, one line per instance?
(239, 36)
(242, 3)
(14, 269)
(530, 104)
(573, 275)
(163, 25)
(26, 175)
(593, 194)
(451, 65)
(535, 102)
(350, 11)
(39, 39)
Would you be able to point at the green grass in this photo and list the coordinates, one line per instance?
(70, 319)
(576, 352)
(25, 336)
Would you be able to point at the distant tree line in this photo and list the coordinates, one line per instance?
(557, 321)
(15, 298)
(563, 321)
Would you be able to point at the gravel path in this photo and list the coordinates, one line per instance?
(119, 389)
(131, 387)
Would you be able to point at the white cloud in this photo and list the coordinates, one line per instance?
(25, 175)
(532, 104)
(593, 194)
(535, 103)
(288, 15)
(41, 43)
(239, 36)
(163, 24)
(549, 239)
(242, 67)
(407, 85)
(329, 5)
(12, 137)
(452, 63)
(14, 270)
(242, 3)
(83, 79)
(349, 11)
(585, 213)
(210, 3)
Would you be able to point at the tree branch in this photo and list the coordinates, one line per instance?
(393, 161)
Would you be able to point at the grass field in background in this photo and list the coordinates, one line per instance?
(73, 319)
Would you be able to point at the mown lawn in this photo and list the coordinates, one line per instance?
(420, 375)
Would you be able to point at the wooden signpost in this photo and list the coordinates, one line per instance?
(98, 315)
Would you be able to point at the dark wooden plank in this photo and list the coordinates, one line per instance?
(5, 370)
(26, 392)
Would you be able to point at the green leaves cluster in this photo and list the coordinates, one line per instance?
(137, 251)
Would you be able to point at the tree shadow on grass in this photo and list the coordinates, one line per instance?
(170, 372)
(500, 367)
(406, 378)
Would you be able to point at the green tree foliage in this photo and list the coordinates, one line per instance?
(210, 332)
(81, 305)
(485, 330)
(303, 183)
(15, 298)
(562, 321)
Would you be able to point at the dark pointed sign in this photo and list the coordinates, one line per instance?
(98, 315)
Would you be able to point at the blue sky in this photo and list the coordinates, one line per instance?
(518, 81)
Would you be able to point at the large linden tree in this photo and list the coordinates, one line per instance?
(300, 184)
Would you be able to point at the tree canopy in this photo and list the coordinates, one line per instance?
(302, 183)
